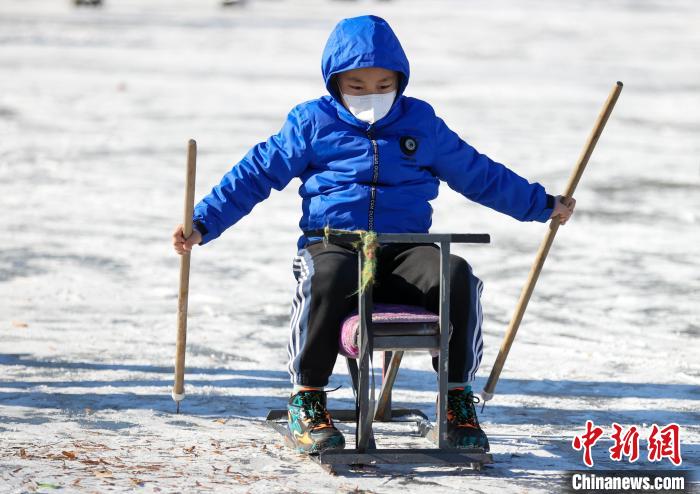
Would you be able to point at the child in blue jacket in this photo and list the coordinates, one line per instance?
(369, 158)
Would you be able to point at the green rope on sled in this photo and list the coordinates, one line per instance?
(368, 243)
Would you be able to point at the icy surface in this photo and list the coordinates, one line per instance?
(96, 106)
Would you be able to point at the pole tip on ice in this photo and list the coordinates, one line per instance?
(177, 397)
(485, 396)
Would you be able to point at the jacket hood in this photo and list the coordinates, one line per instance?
(359, 42)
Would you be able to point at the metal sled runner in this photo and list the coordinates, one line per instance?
(393, 330)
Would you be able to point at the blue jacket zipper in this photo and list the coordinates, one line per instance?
(375, 180)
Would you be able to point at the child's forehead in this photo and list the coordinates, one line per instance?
(374, 73)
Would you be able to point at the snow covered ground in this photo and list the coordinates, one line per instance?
(96, 106)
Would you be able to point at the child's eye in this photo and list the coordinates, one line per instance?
(356, 87)
(386, 87)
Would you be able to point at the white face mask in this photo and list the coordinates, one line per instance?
(369, 107)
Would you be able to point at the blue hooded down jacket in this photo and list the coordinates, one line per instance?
(356, 175)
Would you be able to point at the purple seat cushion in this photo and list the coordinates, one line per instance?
(382, 313)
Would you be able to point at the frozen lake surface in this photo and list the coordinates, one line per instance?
(96, 107)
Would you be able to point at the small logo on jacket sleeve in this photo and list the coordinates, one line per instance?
(409, 145)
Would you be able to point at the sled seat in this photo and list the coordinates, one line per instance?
(390, 321)
(395, 329)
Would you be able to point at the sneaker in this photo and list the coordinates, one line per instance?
(463, 430)
(310, 424)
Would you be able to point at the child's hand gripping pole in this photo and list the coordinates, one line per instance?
(178, 393)
(490, 387)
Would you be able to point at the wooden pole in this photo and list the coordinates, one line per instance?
(178, 393)
(490, 387)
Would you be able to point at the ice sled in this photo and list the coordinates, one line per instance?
(394, 329)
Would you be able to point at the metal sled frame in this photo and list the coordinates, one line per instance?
(419, 337)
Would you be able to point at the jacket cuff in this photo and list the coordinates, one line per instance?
(206, 231)
(548, 209)
(550, 201)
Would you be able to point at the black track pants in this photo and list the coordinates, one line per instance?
(406, 274)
